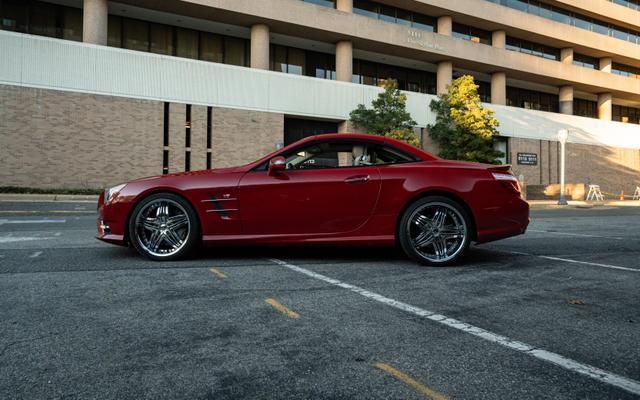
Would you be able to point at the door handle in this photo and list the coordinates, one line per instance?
(358, 179)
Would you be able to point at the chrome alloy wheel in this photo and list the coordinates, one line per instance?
(437, 231)
(162, 227)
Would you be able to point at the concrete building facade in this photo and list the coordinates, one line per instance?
(94, 92)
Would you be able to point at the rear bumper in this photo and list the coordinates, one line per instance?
(507, 221)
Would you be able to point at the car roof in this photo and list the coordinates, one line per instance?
(346, 136)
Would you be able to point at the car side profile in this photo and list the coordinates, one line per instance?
(325, 189)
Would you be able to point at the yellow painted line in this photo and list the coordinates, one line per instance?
(218, 273)
(275, 304)
(409, 381)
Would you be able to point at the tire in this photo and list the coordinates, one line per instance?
(164, 227)
(434, 231)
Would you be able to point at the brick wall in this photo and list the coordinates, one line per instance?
(52, 138)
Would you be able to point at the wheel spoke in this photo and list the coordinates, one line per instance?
(155, 240)
(172, 239)
(452, 232)
(177, 222)
(423, 239)
(423, 222)
(438, 218)
(440, 247)
(150, 224)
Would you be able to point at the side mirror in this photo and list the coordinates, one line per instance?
(277, 164)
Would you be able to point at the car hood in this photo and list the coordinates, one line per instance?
(216, 171)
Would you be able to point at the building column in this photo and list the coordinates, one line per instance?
(566, 100)
(566, 55)
(605, 64)
(499, 39)
(95, 18)
(499, 88)
(605, 106)
(344, 60)
(445, 25)
(345, 5)
(444, 77)
(260, 46)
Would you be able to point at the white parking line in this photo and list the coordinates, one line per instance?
(598, 374)
(568, 260)
(32, 221)
(580, 235)
(35, 254)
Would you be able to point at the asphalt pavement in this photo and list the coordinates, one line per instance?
(553, 314)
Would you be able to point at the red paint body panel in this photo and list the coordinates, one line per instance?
(347, 205)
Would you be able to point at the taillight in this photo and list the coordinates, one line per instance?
(507, 180)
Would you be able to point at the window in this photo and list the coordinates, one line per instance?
(585, 61)
(470, 33)
(374, 74)
(394, 15)
(626, 114)
(161, 39)
(324, 3)
(41, 18)
(187, 43)
(585, 108)
(532, 100)
(625, 70)
(341, 154)
(578, 20)
(535, 49)
(135, 35)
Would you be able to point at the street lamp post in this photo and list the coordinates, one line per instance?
(563, 134)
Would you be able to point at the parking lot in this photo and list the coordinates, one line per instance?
(551, 314)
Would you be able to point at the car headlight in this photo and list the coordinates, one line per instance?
(110, 192)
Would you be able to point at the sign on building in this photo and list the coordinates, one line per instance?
(527, 159)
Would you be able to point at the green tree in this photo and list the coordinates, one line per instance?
(388, 115)
(464, 129)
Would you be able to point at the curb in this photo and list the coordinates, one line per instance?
(20, 197)
(553, 204)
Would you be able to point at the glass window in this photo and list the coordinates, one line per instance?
(324, 3)
(340, 154)
(585, 61)
(14, 15)
(368, 73)
(366, 8)
(161, 39)
(211, 47)
(295, 61)
(43, 20)
(387, 13)
(72, 24)
(234, 51)
(135, 34)
(279, 58)
(115, 31)
(187, 43)
(424, 22)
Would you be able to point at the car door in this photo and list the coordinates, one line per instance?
(327, 188)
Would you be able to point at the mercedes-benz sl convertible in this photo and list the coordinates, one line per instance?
(326, 189)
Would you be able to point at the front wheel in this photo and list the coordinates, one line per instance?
(434, 231)
(163, 227)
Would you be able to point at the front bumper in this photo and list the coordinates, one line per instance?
(109, 227)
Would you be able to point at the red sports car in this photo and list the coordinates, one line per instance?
(330, 189)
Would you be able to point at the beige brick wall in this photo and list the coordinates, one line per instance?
(614, 169)
(198, 137)
(177, 119)
(242, 136)
(53, 138)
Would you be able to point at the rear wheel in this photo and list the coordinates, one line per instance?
(163, 227)
(435, 231)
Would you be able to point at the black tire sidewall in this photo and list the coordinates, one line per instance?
(405, 242)
(192, 238)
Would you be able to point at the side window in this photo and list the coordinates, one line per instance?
(382, 155)
(329, 155)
